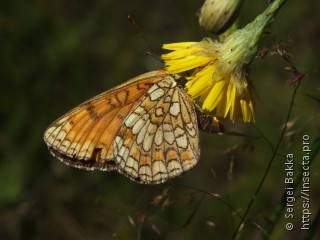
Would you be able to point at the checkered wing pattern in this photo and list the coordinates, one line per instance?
(159, 139)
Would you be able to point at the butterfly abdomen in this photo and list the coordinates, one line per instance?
(208, 123)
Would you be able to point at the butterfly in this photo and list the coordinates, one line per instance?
(146, 128)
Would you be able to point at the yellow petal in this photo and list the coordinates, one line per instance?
(204, 95)
(186, 63)
(181, 53)
(176, 46)
(231, 95)
(200, 82)
(214, 96)
(235, 109)
(247, 107)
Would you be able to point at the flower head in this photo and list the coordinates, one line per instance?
(219, 76)
(219, 83)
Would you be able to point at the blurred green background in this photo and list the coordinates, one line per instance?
(56, 54)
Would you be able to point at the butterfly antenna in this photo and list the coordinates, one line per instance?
(151, 52)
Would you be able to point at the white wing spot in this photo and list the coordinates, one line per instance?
(168, 133)
(175, 109)
(147, 142)
(178, 131)
(140, 110)
(145, 172)
(137, 127)
(182, 141)
(131, 163)
(142, 133)
(153, 88)
(167, 99)
(159, 112)
(122, 163)
(158, 138)
(134, 116)
(181, 137)
(131, 120)
(157, 94)
(169, 137)
(124, 152)
(158, 167)
(174, 168)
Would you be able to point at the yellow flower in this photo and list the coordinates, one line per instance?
(218, 78)
(217, 86)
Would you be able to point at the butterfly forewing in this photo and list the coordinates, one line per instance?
(83, 137)
(158, 140)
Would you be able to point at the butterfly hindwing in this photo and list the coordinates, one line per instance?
(159, 139)
(83, 137)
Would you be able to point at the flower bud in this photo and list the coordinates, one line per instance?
(218, 15)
